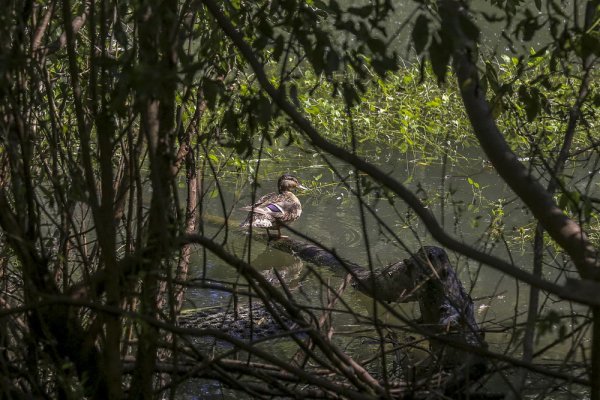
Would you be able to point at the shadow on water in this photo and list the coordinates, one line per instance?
(471, 193)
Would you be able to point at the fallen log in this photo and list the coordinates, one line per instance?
(447, 312)
(426, 277)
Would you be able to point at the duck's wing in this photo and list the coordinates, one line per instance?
(283, 207)
(269, 204)
(266, 199)
(264, 212)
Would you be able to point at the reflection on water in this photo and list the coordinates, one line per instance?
(331, 216)
(466, 198)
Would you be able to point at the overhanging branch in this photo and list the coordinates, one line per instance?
(566, 232)
(279, 98)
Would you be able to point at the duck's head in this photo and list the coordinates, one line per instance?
(288, 182)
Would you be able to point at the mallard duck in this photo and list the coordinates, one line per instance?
(273, 210)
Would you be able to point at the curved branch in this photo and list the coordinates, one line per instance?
(74, 27)
(347, 366)
(42, 27)
(348, 391)
(566, 232)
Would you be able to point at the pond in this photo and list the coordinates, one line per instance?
(467, 197)
(477, 206)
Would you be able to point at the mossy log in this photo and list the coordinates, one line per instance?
(426, 277)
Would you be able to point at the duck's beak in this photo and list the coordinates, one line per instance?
(302, 187)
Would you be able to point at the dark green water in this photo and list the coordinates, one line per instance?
(331, 216)
(465, 195)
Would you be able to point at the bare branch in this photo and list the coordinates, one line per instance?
(566, 232)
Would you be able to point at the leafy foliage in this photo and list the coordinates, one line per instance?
(118, 121)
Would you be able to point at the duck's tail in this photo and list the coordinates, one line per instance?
(246, 223)
(257, 220)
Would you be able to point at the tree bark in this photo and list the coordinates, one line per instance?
(156, 26)
(566, 232)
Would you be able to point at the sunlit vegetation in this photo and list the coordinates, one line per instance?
(449, 241)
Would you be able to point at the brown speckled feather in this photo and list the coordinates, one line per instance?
(273, 209)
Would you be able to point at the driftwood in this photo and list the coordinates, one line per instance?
(242, 323)
(426, 277)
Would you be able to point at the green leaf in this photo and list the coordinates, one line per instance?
(563, 200)
(530, 97)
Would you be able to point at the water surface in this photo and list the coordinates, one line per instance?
(331, 215)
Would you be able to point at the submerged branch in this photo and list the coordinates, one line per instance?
(426, 277)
